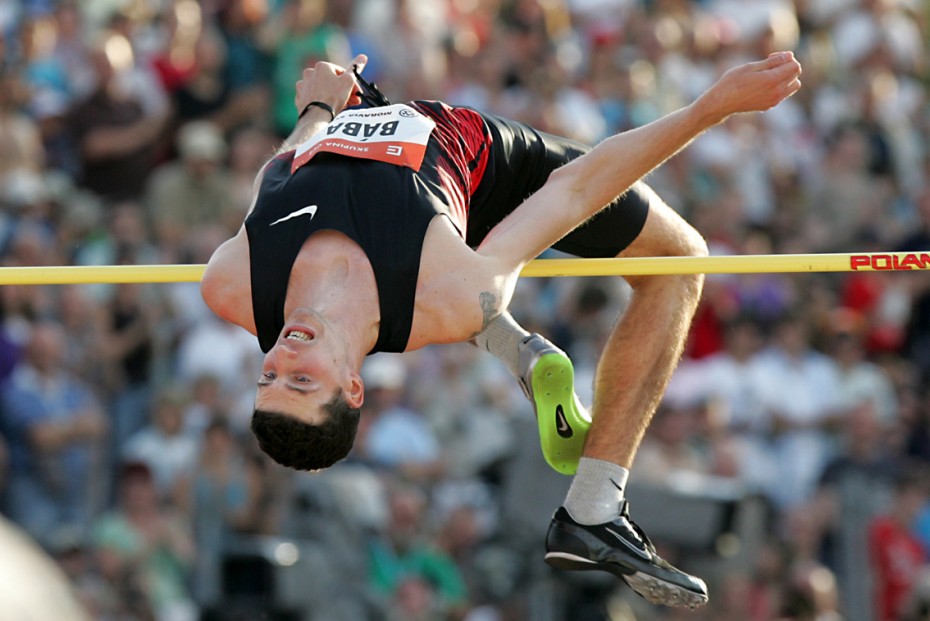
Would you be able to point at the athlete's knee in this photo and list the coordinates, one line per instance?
(689, 242)
(667, 234)
(692, 244)
(677, 236)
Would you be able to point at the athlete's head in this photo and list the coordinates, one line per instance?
(305, 446)
(308, 398)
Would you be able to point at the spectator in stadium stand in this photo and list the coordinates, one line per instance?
(401, 554)
(129, 344)
(21, 145)
(145, 539)
(117, 136)
(797, 389)
(852, 490)
(298, 34)
(896, 554)
(185, 195)
(162, 444)
(861, 379)
(220, 495)
(207, 93)
(668, 448)
(55, 427)
(395, 436)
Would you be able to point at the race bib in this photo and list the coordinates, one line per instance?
(396, 134)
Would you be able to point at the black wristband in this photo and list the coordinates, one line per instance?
(318, 104)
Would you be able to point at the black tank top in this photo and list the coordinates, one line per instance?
(384, 208)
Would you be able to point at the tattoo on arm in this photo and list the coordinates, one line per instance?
(489, 310)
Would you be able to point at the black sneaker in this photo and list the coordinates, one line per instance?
(623, 549)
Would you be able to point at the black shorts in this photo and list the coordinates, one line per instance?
(520, 161)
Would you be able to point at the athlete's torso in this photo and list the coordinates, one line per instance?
(384, 208)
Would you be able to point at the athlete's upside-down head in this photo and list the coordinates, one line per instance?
(309, 394)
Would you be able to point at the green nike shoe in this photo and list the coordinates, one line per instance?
(548, 380)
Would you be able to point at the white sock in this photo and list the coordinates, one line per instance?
(502, 338)
(596, 491)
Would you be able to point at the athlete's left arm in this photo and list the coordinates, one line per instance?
(577, 191)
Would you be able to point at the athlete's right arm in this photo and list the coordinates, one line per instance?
(330, 84)
(324, 82)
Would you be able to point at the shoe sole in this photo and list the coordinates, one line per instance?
(653, 590)
(553, 387)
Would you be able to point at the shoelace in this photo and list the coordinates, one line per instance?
(370, 92)
(625, 513)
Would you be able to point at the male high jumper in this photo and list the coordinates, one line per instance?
(392, 227)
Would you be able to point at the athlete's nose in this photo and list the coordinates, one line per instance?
(287, 351)
(278, 356)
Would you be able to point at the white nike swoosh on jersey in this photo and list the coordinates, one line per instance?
(309, 209)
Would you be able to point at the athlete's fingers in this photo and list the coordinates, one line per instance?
(331, 83)
(358, 65)
(774, 60)
(355, 97)
(778, 67)
(324, 67)
(298, 89)
(359, 62)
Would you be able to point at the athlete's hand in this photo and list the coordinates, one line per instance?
(330, 84)
(752, 87)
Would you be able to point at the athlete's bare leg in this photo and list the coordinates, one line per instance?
(645, 346)
(632, 375)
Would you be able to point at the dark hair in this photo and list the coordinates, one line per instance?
(135, 471)
(302, 446)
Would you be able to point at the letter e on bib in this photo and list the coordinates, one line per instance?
(396, 134)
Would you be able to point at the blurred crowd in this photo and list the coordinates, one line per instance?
(130, 133)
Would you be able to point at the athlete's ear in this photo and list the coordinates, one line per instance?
(355, 395)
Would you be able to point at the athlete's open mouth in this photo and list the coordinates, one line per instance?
(298, 335)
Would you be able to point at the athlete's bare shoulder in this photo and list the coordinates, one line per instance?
(226, 286)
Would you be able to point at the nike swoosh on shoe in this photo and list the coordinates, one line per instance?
(638, 551)
(561, 423)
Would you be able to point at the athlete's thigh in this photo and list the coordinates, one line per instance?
(519, 163)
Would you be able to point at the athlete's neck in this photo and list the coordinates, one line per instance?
(333, 277)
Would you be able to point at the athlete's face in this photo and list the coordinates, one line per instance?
(303, 369)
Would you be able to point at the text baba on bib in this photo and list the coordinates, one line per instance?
(396, 134)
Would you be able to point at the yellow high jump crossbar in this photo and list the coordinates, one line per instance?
(731, 264)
